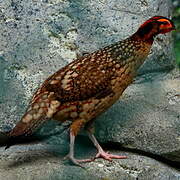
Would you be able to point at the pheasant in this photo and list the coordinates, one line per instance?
(88, 86)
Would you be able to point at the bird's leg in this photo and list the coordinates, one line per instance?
(101, 153)
(74, 129)
(71, 149)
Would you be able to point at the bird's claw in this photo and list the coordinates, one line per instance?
(108, 156)
(77, 161)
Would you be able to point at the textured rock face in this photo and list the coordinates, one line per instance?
(147, 117)
(46, 164)
(39, 37)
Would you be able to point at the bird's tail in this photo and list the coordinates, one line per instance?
(42, 108)
(7, 141)
(4, 138)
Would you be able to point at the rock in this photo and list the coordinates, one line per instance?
(39, 37)
(147, 117)
(44, 162)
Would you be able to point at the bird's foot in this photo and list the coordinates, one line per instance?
(78, 161)
(100, 154)
(108, 156)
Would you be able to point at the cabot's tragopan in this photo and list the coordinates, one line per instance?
(88, 86)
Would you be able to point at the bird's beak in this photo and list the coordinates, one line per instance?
(173, 28)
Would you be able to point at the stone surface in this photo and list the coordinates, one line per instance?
(42, 162)
(147, 117)
(39, 37)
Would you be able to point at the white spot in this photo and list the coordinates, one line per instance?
(83, 115)
(100, 165)
(35, 116)
(42, 104)
(95, 101)
(40, 111)
(73, 114)
(35, 106)
(58, 77)
(50, 113)
(51, 94)
(27, 118)
(38, 116)
(68, 88)
(54, 82)
(67, 76)
(113, 81)
(69, 72)
(92, 59)
(86, 107)
(65, 83)
(44, 96)
(74, 74)
(54, 104)
(74, 67)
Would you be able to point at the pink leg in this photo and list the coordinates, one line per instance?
(101, 153)
(71, 153)
(74, 129)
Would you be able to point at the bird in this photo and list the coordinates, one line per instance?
(88, 86)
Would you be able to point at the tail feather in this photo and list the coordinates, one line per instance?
(4, 138)
(42, 108)
(7, 141)
(27, 125)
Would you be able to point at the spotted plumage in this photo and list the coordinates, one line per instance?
(89, 85)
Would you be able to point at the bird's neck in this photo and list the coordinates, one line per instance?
(149, 38)
(145, 33)
(142, 48)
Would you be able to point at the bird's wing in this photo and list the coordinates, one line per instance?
(84, 78)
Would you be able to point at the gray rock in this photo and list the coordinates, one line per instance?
(147, 117)
(42, 162)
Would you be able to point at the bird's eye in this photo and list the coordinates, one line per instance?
(164, 22)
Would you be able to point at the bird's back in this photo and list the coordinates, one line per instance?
(86, 87)
(90, 84)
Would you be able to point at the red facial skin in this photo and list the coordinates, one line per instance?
(154, 26)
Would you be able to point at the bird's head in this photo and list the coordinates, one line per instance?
(154, 26)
